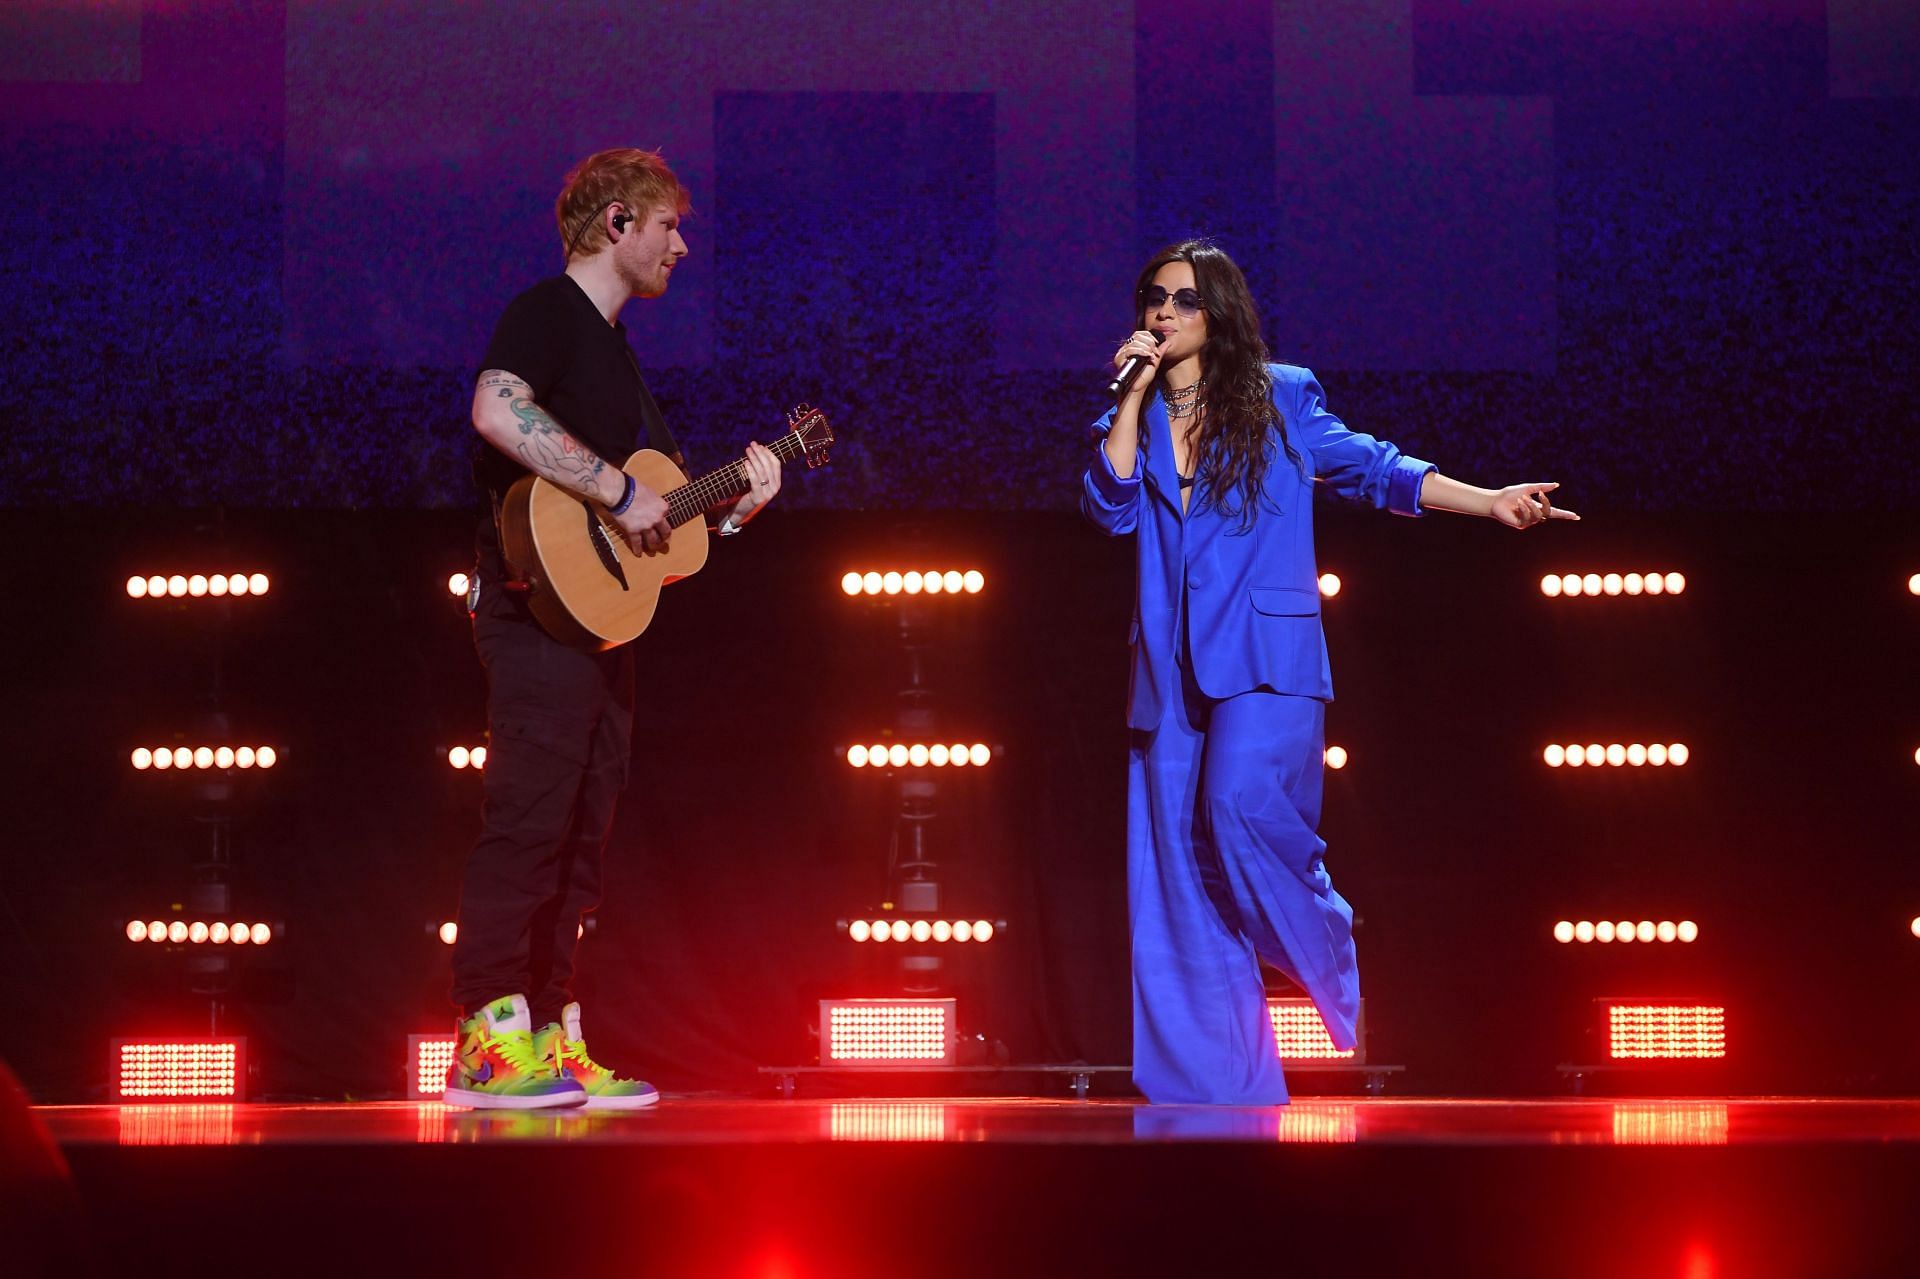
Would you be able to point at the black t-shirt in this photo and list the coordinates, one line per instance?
(582, 372)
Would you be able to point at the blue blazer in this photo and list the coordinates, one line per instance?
(1250, 601)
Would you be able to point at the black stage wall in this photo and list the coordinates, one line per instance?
(1785, 666)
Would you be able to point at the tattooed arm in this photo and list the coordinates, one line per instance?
(507, 418)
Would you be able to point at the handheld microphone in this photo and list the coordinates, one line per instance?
(1130, 371)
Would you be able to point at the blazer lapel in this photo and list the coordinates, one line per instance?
(1158, 433)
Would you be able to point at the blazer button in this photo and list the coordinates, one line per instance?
(1195, 583)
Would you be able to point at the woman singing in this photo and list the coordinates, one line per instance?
(1210, 458)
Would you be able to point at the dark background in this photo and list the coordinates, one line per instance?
(1663, 253)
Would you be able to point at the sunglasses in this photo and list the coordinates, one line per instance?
(1186, 302)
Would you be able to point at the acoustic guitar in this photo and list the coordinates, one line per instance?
(584, 586)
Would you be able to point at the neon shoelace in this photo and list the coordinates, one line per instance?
(576, 1050)
(516, 1049)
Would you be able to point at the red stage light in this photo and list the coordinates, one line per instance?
(429, 1058)
(449, 932)
(1329, 585)
(1299, 1034)
(913, 582)
(1665, 1032)
(457, 584)
(1335, 757)
(1614, 754)
(886, 1031)
(183, 1068)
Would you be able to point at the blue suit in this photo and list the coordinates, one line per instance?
(1227, 697)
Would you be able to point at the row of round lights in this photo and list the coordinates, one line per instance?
(1626, 931)
(1574, 585)
(198, 933)
(162, 757)
(468, 757)
(951, 582)
(1595, 755)
(919, 755)
(921, 930)
(180, 585)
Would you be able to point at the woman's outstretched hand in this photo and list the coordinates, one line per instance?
(1525, 505)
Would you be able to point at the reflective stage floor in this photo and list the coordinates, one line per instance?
(793, 1188)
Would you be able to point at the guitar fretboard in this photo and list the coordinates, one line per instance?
(692, 499)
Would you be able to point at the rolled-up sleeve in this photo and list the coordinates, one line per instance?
(1356, 465)
(1109, 502)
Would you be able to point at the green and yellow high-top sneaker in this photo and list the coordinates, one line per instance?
(495, 1066)
(559, 1043)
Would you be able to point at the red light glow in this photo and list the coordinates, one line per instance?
(886, 1030)
(430, 1057)
(178, 1068)
(1665, 1032)
(1299, 1034)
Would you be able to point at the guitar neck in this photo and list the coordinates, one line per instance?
(686, 503)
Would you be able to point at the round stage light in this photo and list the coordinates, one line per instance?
(1563, 931)
(850, 583)
(1636, 755)
(1590, 583)
(457, 584)
(1616, 754)
(1570, 584)
(196, 932)
(240, 934)
(1329, 585)
(980, 754)
(223, 757)
(897, 755)
(1914, 926)
(136, 930)
(142, 757)
(203, 757)
(457, 757)
(1656, 584)
(177, 931)
(1583, 931)
(876, 756)
(263, 934)
(237, 583)
(449, 933)
(1611, 583)
(890, 583)
(1623, 931)
(917, 755)
(857, 756)
(1596, 754)
(177, 585)
(913, 582)
(1678, 754)
(217, 585)
(156, 586)
(1687, 930)
(1676, 582)
(942, 930)
(217, 933)
(953, 580)
(1555, 755)
(267, 757)
(137, 587)
(934, 580)
(1603, 931)
(858, 930)
(257, 583)
(880, 931)
(1656, 755)
(974, 581)
(1576, 755)
(900, 930)
(870, 582)
(197, 585)
(1913, 584)
(1667, 932)
(157, 931)
(957, 755)
(922, 930)
(962, 930)
(182, 757)
(1644, 930)
(939, 755)
(244, 757)
(1550, 585)
(983, 930)
(1336, 757)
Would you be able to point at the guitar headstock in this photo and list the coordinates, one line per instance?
(811, 428)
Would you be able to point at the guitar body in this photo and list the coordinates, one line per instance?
(585, 587)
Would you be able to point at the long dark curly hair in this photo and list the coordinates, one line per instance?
(1239, 421)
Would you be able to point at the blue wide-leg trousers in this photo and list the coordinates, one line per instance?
(1225, 868)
